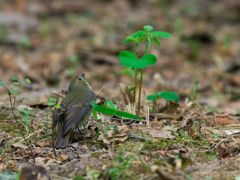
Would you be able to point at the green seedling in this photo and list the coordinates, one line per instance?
(119, 168)
(12, 90)
(169, 96)
(25, 42)
(131, 60)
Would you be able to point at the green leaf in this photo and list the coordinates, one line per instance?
(95, 114)
(214, 135)
(28, 80)
(111, 112)
(150, 97)
(16, 83)
(130, 60)
(14, 91)
(3, 84)
(135, 35)
(74, 58)
(148, 28)
(78, 177)
(50, 104)
(129, 39)
(110, 104)
(57, 106)
(13, 78)
(161, 34)
(52, 100)
(169, 96)
(156, 40)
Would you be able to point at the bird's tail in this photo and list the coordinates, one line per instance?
(62, 141)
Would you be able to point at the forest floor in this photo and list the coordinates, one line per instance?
(48, 43)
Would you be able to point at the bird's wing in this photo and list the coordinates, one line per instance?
(77, 112)
(59, 114)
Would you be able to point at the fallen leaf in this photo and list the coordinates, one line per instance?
(19, 145)
(63, 157)
(42, 144)
(2, 167)
(45, 161)
(161, 133)
(224, 120)
(119, 133)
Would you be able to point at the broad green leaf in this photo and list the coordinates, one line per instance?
(110, 104)
(169, 96)
(161, 34)
(150, 97)
(111, 112)
(95, 114)
(156, 40)
(148, 28)
(130, 60)
(148, 59)
(127, 115)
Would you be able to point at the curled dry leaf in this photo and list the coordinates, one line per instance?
(119, 133)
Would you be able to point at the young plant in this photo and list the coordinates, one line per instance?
(130, 59)
(12, 90)
(169, 96)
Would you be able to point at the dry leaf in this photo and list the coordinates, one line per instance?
(42, 144)
(45, 161)
(19, 145)
(119, 133)
(160, 133)
(2, 167)
(63, 157)
(224, 120)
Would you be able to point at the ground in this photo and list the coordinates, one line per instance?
(45, 44)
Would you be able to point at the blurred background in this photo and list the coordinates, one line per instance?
(49, 42)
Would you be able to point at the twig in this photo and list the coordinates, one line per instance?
(140, 137)
(168, 116)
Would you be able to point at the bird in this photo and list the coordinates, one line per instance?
(74, 110)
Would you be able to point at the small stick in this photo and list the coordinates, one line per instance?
(168, 116)
(140, 137)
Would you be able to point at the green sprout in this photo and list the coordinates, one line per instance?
(169, 96)
(131, 60)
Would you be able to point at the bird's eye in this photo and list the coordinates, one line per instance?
(82, 75)
(79, 79)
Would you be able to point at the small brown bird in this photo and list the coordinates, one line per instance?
(74, 111)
